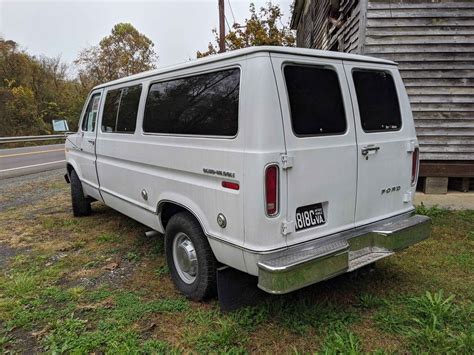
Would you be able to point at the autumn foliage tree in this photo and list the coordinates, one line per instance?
(263, 28)
(124, 52)
(34, 91)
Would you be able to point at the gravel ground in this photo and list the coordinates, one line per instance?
(18, 191)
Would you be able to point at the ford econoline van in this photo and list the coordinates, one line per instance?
(292, 165)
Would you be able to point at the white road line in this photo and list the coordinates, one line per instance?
(30, 153)
(32, 166)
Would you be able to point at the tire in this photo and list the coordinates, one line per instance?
(81, 205)
(184, 237)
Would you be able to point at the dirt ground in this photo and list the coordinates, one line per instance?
(451, 200)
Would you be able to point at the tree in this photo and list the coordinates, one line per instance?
(124, 52)
(34, 91)
(263, 28)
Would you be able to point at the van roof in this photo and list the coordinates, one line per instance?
(247, 51)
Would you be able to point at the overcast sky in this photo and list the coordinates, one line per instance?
(178, 28)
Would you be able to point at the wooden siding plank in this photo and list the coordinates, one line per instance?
(451, 169)
(440, 90)
(445, 140)
(445, 74)
(425, 5)
(460, 148)
(417, 48)
(437, 65)
(461, 99)
(443, 115)
(442, 107)
(446, 156)
(429, 82)
(444, 123)
(420, 13)
(422, 22)
(421, 31)
(426, 57)
(419, 39)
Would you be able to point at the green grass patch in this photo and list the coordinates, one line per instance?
(431, 323)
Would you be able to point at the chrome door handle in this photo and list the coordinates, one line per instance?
(91, 141)
(369, 148)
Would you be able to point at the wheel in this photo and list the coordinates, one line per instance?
(192, 264)
(81, 206)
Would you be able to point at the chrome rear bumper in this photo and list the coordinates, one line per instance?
(321, 259)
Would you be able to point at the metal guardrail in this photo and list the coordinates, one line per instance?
(33, 138)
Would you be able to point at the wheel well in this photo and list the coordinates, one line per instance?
(69, 169)
(169, 209)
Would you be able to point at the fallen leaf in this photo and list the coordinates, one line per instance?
(106, 303)
(111, 266)
(40, 333)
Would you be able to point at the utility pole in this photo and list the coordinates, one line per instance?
(221, 27)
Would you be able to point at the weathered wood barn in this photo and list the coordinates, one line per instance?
(433, 42)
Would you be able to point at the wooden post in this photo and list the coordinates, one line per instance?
(221, 27)
(465, 184)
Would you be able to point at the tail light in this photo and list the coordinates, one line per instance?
(415, 163)
(271, 190)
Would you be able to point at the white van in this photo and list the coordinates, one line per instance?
(289, 164)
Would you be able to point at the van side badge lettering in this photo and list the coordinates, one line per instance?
(390, 189)
(218, 172)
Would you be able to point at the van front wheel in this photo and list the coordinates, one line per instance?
(190, 259)
(81, 205)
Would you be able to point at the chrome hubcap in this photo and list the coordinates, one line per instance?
(185, 258)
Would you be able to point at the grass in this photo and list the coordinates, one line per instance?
(60, 294)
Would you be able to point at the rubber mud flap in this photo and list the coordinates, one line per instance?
(236, 289)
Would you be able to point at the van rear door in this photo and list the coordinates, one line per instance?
(320, 144)
(386, 141)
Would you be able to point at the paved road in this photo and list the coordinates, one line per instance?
(29, 160)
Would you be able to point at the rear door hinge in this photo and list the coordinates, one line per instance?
(411, 146)
(286, 161)
(287, 227)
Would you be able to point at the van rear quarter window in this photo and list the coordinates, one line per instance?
(120, 110)
(378, 100)
(316, 103)
(206, 104)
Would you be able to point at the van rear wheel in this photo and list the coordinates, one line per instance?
(190, 259)
(81, 205)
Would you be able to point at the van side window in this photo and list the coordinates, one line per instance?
(316, 103)
(378, 101)
(120, 110)
(206, 104)
(90, 116)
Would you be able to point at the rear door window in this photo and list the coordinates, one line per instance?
(378, 101)
(315, 98)
(121, 109)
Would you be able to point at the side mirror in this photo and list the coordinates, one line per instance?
(60, 126)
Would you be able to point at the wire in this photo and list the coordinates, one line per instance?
(231, 10)
(227, 22)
